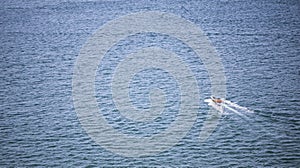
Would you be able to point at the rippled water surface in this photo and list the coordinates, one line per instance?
(257, 41)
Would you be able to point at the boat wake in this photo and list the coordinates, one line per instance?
(227, 107)
(238, 106)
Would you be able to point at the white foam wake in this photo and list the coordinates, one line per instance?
(233, 110)
(237, 106)
(228, 106)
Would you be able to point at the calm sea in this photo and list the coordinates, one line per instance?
(258, 43)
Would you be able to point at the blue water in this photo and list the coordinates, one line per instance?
(258, 43)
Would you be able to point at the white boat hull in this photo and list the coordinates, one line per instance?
(217, 106)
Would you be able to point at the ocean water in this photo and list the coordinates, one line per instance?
(256, 41)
